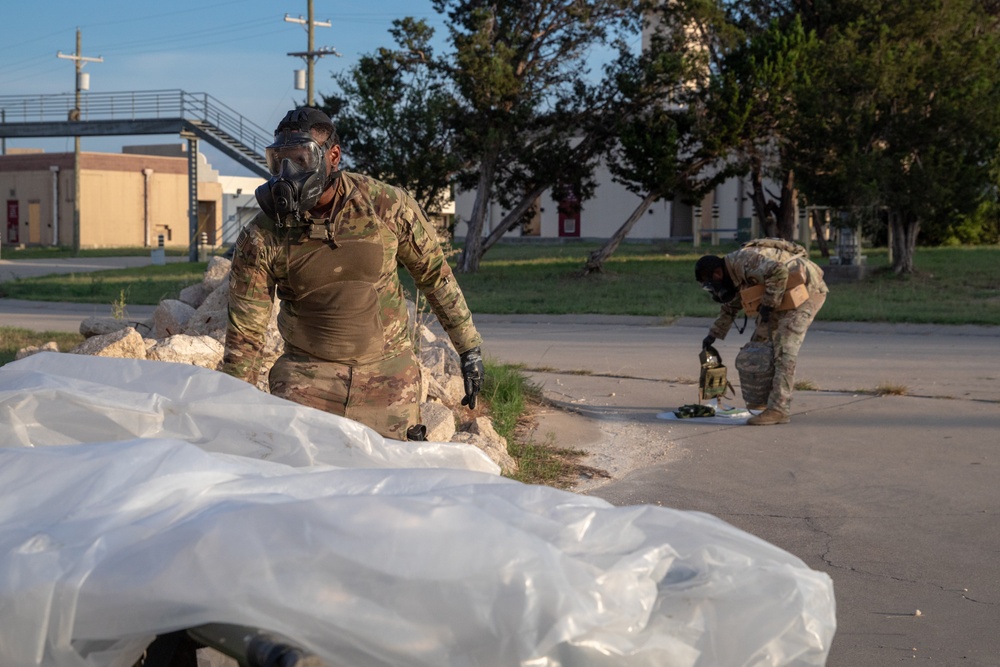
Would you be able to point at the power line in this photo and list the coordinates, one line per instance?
(81, 84)
(311, 55)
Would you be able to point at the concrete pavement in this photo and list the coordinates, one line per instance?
(895, 496)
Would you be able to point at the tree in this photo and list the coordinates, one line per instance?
(750, 105)
(560, 155)
(513, 70)
(656, 153)
(395, 117)
(903, 114)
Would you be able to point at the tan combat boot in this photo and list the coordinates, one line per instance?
(768, 417)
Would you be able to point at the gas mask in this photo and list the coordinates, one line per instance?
(722, 291)
(298, 177)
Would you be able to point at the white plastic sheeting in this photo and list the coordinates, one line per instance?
(60, 399)
(151, 525)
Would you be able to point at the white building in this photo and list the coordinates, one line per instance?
(598, 218)
(239, 205)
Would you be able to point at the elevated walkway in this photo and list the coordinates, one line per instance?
(190, 115)
(193, 116)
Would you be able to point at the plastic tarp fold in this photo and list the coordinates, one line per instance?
(365, 551)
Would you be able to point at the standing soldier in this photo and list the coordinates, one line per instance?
(766, 262)
(327, 243)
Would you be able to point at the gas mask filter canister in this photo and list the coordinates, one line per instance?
(722, 291)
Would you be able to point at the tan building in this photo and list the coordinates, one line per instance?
(127, 200)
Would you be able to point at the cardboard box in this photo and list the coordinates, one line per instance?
(795, 295)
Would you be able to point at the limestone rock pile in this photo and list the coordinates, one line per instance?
(192, 329)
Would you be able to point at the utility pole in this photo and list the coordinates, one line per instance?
(311, 55)
(74, 116)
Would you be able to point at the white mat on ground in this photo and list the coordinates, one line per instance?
(725, 414)
(733, 420)
(131, 533)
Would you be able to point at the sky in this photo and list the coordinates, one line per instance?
(234, 50)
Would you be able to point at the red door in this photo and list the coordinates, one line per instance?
(569, 214)
(13, 216)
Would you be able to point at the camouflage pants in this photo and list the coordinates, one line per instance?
(384, 395)
(787, 329)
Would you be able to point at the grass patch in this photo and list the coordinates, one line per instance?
(952, 285)
(640, 279)
(806, 385)
(889, 389)
(512, 399)
(146, 285)
(13, 339)
(545, 463)
(508, 393)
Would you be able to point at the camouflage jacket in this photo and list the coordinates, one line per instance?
(336, 278)
(766, 262)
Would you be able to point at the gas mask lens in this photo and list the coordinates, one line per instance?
(304, 155)
(298, 176)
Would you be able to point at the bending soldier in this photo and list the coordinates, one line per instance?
(766, 262)
(327, 244)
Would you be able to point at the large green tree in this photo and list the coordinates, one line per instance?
(515, 68)
(657, 152)
(395, 117)
(903, 114)
(750, 108)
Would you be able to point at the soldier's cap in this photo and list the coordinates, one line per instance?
(304, 119)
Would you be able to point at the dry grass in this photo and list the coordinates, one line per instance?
(13, 339)
(544, 462)
(889, 389)
(512, 402)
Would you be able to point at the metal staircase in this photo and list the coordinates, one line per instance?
(135, 113)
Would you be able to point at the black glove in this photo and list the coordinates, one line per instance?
(707, 342)
(764, 313)
(473, 374)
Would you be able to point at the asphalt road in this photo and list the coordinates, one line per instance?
(896, 497)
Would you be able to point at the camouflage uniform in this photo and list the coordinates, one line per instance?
(343, 313)
(768, 262)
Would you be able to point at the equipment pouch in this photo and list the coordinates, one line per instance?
(712, 381)
(795, 295)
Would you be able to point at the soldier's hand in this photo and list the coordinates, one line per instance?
(473, 374)
(764, 313)
(707, 342)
